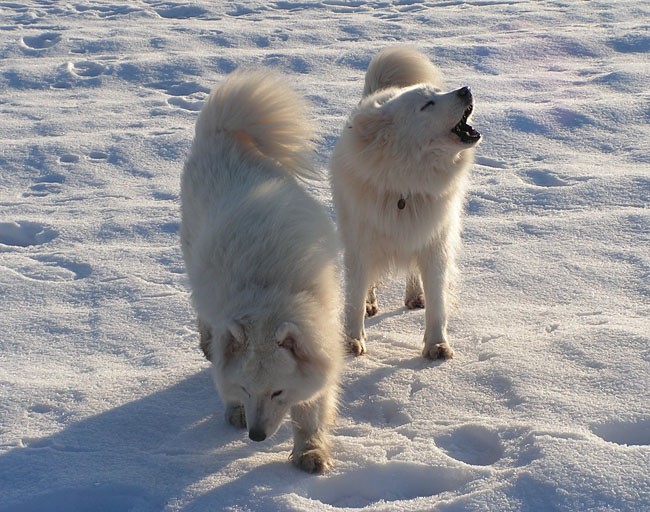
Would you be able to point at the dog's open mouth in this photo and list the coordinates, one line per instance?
(466, 133)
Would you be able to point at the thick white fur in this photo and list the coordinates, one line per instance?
(393, 147)
(261, 258)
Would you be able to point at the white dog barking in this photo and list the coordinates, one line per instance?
(398, 174)
(261, 259)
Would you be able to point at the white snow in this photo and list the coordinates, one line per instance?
(105, 400)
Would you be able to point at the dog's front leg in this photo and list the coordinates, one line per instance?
(357, 285)
(311, 421)
(235, 414)
(434, 267)
(205, 338)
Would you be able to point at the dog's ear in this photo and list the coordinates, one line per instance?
(290, 338)
(232, 340)
(371, 126)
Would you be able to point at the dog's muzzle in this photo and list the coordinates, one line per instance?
(465, 132)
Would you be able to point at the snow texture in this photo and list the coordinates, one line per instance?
(106, 402)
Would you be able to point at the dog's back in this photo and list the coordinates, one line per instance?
(245, 219)
(252, 128)
(399, 66)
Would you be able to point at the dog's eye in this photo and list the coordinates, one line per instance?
(429, 103)
(276, 394)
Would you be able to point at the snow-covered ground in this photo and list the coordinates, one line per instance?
(106, 403)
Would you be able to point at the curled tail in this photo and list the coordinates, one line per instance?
(399, 66)
(260, 110)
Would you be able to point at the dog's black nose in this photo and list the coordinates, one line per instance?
(464, 91)
(256, 435)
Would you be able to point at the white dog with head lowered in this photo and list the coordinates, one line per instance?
(261, 258)
(398, 174)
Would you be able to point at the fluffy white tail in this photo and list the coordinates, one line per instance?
(399, 66)
(260, 110)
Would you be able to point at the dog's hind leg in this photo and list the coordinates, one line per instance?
(311, 422)
(372, 307)
(414, 296)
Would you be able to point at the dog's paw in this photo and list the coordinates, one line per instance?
(371, 308)
(438, 351)
(415, 302)
(235, 415)
(316, 460)
(356, 347)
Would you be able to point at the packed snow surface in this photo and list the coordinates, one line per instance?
(106, 403)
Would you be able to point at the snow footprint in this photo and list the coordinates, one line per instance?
(633, 432)
(181, 11)
(98, 155)
(547, 179)
(544, 178)
(185, 95)
(185, 104)
(392, 412)
(40, 42)
(69, 158)
(487, 354)
(491, 163)
(49, 184)
(54, 268)
(86, 69)
(180, 88)
(25, 234)
(631, 43)
(390, 482)
(472, 444)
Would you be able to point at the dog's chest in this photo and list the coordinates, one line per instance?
(409, 220)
